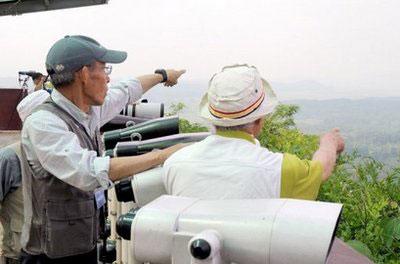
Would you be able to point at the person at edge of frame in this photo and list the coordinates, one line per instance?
(11, 199)
(11, 203)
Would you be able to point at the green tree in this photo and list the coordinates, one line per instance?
(280, 134)
(185, 126)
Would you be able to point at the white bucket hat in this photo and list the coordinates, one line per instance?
(236, 96)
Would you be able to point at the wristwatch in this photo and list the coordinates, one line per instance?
(163, 73)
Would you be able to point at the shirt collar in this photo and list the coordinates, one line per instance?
(236, 134)
(68, 106)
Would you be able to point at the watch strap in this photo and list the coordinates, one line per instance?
(163, 73)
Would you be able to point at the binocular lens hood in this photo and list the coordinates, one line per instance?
(107, 254)
(124, 191)
(124, 223)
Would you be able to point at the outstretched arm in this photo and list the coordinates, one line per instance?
(129, 91)
(123, 167)
(331, 144)
(150, 80)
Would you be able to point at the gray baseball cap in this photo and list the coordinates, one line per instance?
(71, 53)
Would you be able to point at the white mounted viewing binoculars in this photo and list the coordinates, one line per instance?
(180, 230)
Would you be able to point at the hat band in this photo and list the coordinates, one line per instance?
(238, 114)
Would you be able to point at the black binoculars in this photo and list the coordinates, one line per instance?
(141, 147)
(154, 128)
(121, 121)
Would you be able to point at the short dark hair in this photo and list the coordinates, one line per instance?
(62, 79)
(242, 127)
(36, 75)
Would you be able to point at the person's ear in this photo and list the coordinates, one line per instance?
(83, 75)
(258, 125)
(259, 122)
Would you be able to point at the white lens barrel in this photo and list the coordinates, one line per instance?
(144, 110)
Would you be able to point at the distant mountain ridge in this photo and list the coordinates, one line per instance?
(370, 125)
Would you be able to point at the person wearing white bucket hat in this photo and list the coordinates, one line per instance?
(231, 164)
(236, 96)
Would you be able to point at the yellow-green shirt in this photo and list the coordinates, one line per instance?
(300, 179)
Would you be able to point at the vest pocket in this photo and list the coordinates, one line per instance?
(69, 228)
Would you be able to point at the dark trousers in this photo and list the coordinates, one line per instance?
(87, 258)
(10, 261)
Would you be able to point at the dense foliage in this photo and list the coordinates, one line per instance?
(371, 217)
(370, 193)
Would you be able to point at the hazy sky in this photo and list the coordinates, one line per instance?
(347, 45)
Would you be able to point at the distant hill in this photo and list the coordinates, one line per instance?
(370, 125)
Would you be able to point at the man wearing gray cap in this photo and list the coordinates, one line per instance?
(231, 164)
(64, 173)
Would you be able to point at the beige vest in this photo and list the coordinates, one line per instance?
(12, 218)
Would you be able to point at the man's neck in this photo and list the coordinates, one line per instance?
(236, 134)
(74, 94)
